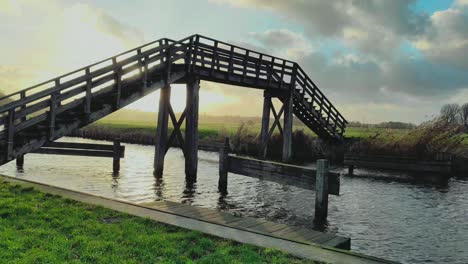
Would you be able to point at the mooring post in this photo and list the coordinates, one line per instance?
(20, 161)
(321, 191)
(350, 169)
(287, 129)
(161, 130)
(263, 141)
(191, 130)
(116, 152)
(223, 167)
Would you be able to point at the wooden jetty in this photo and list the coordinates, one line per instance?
(321, 180)
(114, 151)
(441, 163)
(34, 117)
(293, 240)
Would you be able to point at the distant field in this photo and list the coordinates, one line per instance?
(214, 126)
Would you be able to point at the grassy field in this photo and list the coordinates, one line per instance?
(210, 127)
(41, 228)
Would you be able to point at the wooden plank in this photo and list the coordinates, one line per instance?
(75, 145)
(75, 152)
(281, 173)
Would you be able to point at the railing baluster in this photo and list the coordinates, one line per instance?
(293, 77)
(118, 82)
(257, 71)
(282, 74)
(244, 73)
(270, 70)
(57, 84)
(89, 83)
(23, 95)
(52, 115)
(213, 60)
(230, 65)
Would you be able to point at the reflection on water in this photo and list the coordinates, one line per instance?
(407, 222)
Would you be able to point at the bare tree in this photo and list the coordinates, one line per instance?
(450, 113)
(464, 114)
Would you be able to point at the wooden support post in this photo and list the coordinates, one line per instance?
(287, 129)
(191, 130)
(19, 161)
(263, 142)
(161, 130)
(116, 158)
(321, 191)
(350, 169)
(11, 133)
(223, 167)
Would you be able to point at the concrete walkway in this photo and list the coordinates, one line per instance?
(297, 248)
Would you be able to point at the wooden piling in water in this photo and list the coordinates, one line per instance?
(321, 191)
(191, 130)
(161, 130)
(117, 154)
(287, 128)
(350, 169)
(20, 161)
(263, 140)
(223, 167)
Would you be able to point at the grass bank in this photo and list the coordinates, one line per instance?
(41, 228)
(422, 141)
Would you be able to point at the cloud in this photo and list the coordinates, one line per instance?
(359, 24)
(447, 41)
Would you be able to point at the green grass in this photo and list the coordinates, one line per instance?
(209, 129)
(41, 228)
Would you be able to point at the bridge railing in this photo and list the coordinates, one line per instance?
(325, 109)
(265, 70)
(44, 101)
(231, 59)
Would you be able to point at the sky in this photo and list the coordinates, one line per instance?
(376, 60)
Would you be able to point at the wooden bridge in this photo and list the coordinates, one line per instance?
(36, 116)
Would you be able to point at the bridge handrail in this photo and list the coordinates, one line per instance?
(73, 72)
(266, 62)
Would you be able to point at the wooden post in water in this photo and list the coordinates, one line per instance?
(191, 130)
(20, 161)
(116, 158)
(321, 191)
(223, 167)
(288, 123)
(350, 169)
(263, 141)
(161, 130)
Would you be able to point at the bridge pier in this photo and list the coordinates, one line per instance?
(288, 124)
(265, 125)
(161, 130)
(286, 111)
(191, 130)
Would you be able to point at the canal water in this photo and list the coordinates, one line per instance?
(405, 222)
